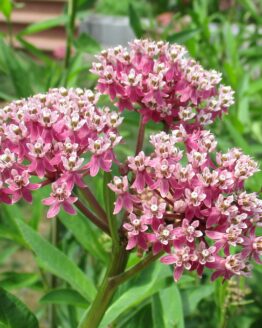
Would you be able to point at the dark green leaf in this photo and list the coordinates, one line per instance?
(11, 280)
(134, 21)
(192, 296)
(15, 314)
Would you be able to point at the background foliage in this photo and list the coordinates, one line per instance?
(55, 267)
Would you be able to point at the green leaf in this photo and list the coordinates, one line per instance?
(191, 297)
(172, 307)
(14, 314)
(251, 8)
(64, 296)
(254, 87)
(85, 43)
(157, 312)
(85, 233)
(230, 43)
(109, 199)
(150, 281)
(236, 136)
(6, 7)
(18, 75)
(6, 252)
(35, 51)
(5, 96)
(9, 228)
(134, 21)
(11, 280)
(183, 36)
(44, 25)
(57, 262)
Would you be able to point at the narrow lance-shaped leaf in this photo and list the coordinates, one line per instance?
(64, 296)
(157, 312)
(85, 233)
(58, 263)
(149, 282)
(135, 22)
(109, 198)
(18, 75)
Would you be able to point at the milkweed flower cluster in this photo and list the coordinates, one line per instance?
(184, 198)
(58, 137)
(163, 83)
(197, 212)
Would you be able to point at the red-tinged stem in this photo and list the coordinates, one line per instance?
(92, 217)
(140, 137)
(94, 203)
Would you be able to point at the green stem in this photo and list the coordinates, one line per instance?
(123, 277)
(106, 291)
(72, 4)
(53, 278)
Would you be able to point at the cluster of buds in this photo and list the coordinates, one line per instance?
(163, 83)
(50, 136)
(190, 202)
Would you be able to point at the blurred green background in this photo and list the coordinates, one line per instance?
(225, 35)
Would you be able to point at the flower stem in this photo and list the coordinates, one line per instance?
(140, 136)
(123, 277)
(94, 203)
(102, 225)
(106, 291)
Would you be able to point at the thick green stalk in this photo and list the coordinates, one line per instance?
(106, 290)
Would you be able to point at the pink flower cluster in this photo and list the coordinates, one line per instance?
(50, 136)
(184, 198)
(163, 83)
(189, 201)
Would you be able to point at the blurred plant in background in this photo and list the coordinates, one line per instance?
(224, 35)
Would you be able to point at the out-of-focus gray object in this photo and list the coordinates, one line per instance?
(110, 31)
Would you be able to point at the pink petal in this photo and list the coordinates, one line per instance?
(53, 210)
(131, 243)
(168, 259)
(178, 272)
(118, 205)
(69, 208)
